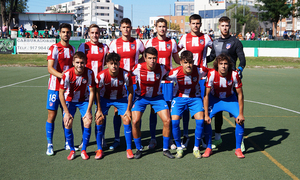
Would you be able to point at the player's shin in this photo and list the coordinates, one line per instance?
(86, 137)
(99, 136)
(138, 142)
(152, 124)
(176, 132)
(198, 132)
(166, 143)
(117, 126)
(128, 135)
(70, 138)
(49, 132)
(208, 135)
(239, 133)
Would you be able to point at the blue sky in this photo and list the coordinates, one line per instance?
(142, 9)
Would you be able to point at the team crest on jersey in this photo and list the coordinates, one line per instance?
(157, 76)
(195, 79)
(84, 81)
(100, 50)
(121, 83)
(228, 46)
(132, 46)
(201, 41)
(51, 104)
(229, 83)
(168, 46)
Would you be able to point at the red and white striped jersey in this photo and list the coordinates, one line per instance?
(165, 48)
(114, 87)
(128, 50)
(222, 87)
(95, 54)
(197, 45)
(148, 81)
(77, 87)
(63, 57)
(187, 85)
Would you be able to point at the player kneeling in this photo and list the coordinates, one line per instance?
(220, 97)
(187, 94)
(111, 91)
(77, 89)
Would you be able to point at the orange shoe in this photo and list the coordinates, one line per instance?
(207, 153)
(129, 154)
(99, 154)
(239, 154)
(71, 155)
(84, 155)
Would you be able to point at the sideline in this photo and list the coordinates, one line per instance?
(24, 81)
(273, 106)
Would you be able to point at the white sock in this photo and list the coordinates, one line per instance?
(217, 136)
(179, 148)
(196, 148)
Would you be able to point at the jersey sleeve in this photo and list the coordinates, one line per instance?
(136, 69)
(140, 46)
(181, 43)
(202, 71)
(81, 48)
(212, 55)
(174, 46)
(100, 80)
(210, 79)
(64, 82)
(172, 76)
(91, 78)
(52, 52)
(113, 47)
(148, 43)
(236, 80)
(240, 53)
(128, 78)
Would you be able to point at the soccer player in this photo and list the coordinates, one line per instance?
(232, 47)
(111, 91)
(220, 96)
(95, 53)
(59, 59)
(149, 75)
(129, 50)
(167, 48)
(187, 90)
(77, 90)
(197, 43)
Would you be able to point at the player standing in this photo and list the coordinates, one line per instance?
(77, 89)
(167, 48)
(232, 47)
(187, 90)
(149, 75)
(95, 53)
(220, 95)
(111, 88)
(129, 50)
(59, 58)
(197, 43)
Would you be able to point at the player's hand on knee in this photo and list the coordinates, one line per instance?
(127, 114)
(99, 117)
(240, 120)
(207, 120)
(68, 118)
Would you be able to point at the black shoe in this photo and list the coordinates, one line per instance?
(168, 154)
(138, 154)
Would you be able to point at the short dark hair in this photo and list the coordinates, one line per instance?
(79, 55)
(187, 55)
(150, 50)
(223, 57)
(195, 16)
(64, 25)
(126, 21)
(224, 19)
(93, 26)
(161, 20)
(113, 57)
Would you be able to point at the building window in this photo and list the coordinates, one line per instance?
(170, 21)
(181, 20)
(192, 7)
(178, 8)
(175, 21)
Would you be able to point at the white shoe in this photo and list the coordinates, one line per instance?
(67, 147)
(152, 144)
(49, 151)
(243, 149)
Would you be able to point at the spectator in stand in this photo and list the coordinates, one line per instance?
(78, 30)
(138, 31)
(27, 35)
(211, 33)
(270, 33)
(259, 37)
(56, 35)
(240, 36)
(248, 36)
(4, 31)
(34, 27)
(252, 35)
(46, 33)
(142, 31)
(85, 32)
(22, 30)
(292, 36)
(35, 34)
(41, 35)
(285, 35)
(148, 31)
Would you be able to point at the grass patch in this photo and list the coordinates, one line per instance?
(251, 62)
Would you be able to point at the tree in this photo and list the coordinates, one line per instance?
(246, 21)
(174, 26)
(275, 10)
(10, 6)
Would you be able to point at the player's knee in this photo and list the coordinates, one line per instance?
(100, 121)
(136, 123)
(51, 116)
(126, 120)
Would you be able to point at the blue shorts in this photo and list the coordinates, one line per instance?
(202, 87)
(179, 104)
(52, 100)
(229, 104)
(167, 91)
(120, 104)
(158, 103)
(82, 106)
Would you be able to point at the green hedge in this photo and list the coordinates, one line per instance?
(271, 44)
